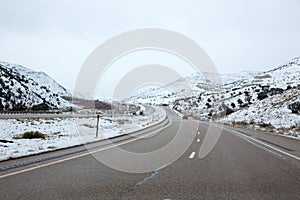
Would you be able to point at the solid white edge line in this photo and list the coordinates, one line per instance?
(192, 155)
(78, 156)
(274, 148)
(271, 147)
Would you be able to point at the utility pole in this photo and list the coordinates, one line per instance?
(98, 117)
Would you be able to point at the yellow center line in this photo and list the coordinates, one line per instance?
(78, 156)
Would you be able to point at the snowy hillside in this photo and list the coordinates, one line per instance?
(249, 97)
(40, 77)
(194, 92)
(170, 92)
(22, 88)
(262, 86)
(272, 113)
(287, 75)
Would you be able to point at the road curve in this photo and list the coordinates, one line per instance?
(243, 164)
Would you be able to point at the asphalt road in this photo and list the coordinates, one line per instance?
(242, 164)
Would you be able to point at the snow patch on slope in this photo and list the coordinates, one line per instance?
(22, 87)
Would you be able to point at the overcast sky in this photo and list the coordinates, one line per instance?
(57, 36)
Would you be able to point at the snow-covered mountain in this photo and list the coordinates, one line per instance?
(287, 75)
(268, 95)
(22, 88)
(194, 88)
(277, 105)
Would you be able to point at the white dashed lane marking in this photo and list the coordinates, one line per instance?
(192, 155)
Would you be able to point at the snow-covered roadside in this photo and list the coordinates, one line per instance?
(271, 114)
(62, 133)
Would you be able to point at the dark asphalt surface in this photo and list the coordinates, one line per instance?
(236, 168)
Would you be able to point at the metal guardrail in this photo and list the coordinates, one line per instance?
(24, 115)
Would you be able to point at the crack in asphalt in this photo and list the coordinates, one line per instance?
(145, 180)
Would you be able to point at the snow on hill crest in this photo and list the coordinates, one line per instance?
(195, 83)
(242, 94)
(40, 77)
(20, 86)
(282, 76)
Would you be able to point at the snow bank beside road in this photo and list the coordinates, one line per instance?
(62, 133)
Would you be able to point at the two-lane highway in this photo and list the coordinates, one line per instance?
(242, 165)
